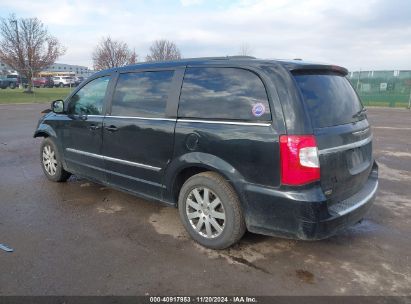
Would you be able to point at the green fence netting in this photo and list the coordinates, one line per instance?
(383, 88)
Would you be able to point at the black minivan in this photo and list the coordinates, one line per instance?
(281, 148)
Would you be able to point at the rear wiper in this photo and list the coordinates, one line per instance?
(360, 113)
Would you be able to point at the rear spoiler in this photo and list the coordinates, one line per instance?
(304, 68)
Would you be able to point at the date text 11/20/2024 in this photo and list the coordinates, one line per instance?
(204, 299)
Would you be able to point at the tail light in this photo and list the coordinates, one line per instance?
(299, 159)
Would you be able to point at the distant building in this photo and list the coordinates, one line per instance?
(5, 69)
(55, 69)
(76, 70)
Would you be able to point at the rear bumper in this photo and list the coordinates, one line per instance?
(305, 214)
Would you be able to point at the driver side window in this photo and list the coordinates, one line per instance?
(90, 98)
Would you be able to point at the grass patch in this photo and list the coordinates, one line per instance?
(40, 95)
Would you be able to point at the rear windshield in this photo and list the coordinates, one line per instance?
(329, 98)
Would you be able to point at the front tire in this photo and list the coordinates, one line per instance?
(211, 211)
(51, 162)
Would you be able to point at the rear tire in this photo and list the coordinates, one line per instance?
(211, 211)
(51, 162)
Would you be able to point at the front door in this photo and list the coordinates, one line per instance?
(138, 136)
(82, 129)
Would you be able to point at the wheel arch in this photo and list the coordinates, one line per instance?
(182, 168)
(44, 130)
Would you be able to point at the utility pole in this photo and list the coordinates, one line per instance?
(409, 101)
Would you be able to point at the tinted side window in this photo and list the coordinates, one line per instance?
(223, 93)
(90, 98)
(142, 94)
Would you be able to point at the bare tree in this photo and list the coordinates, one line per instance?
(27, 47)
(245, 50)
(111, 53)
(162, 50)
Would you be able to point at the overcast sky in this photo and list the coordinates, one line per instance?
(366, 34)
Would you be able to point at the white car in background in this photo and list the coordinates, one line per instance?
(63, 81)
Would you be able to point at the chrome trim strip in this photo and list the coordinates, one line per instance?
(135, 117)
(346, 147)
(361, 132)
(116, 160)
(223, 122)
(143, 118)
(126, 162)
(85, 153)
(116, 173)
(360, 203)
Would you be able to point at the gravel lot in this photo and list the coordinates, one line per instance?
(79, 238)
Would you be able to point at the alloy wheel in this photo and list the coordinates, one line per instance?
(205, 212)
(49, 160)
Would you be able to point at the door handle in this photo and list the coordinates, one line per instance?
(93, 127)
(112, 128)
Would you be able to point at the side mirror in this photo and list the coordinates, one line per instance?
(57, 106)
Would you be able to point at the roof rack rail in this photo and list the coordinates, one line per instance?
(202, 58)
(241, 57)
(216, 58)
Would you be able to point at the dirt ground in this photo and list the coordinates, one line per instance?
(80, 238)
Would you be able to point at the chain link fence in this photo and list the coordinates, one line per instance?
(383, 88)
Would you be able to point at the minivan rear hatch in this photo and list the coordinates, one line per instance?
(341, 129)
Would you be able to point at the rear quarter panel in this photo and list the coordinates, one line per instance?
(240, 153)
